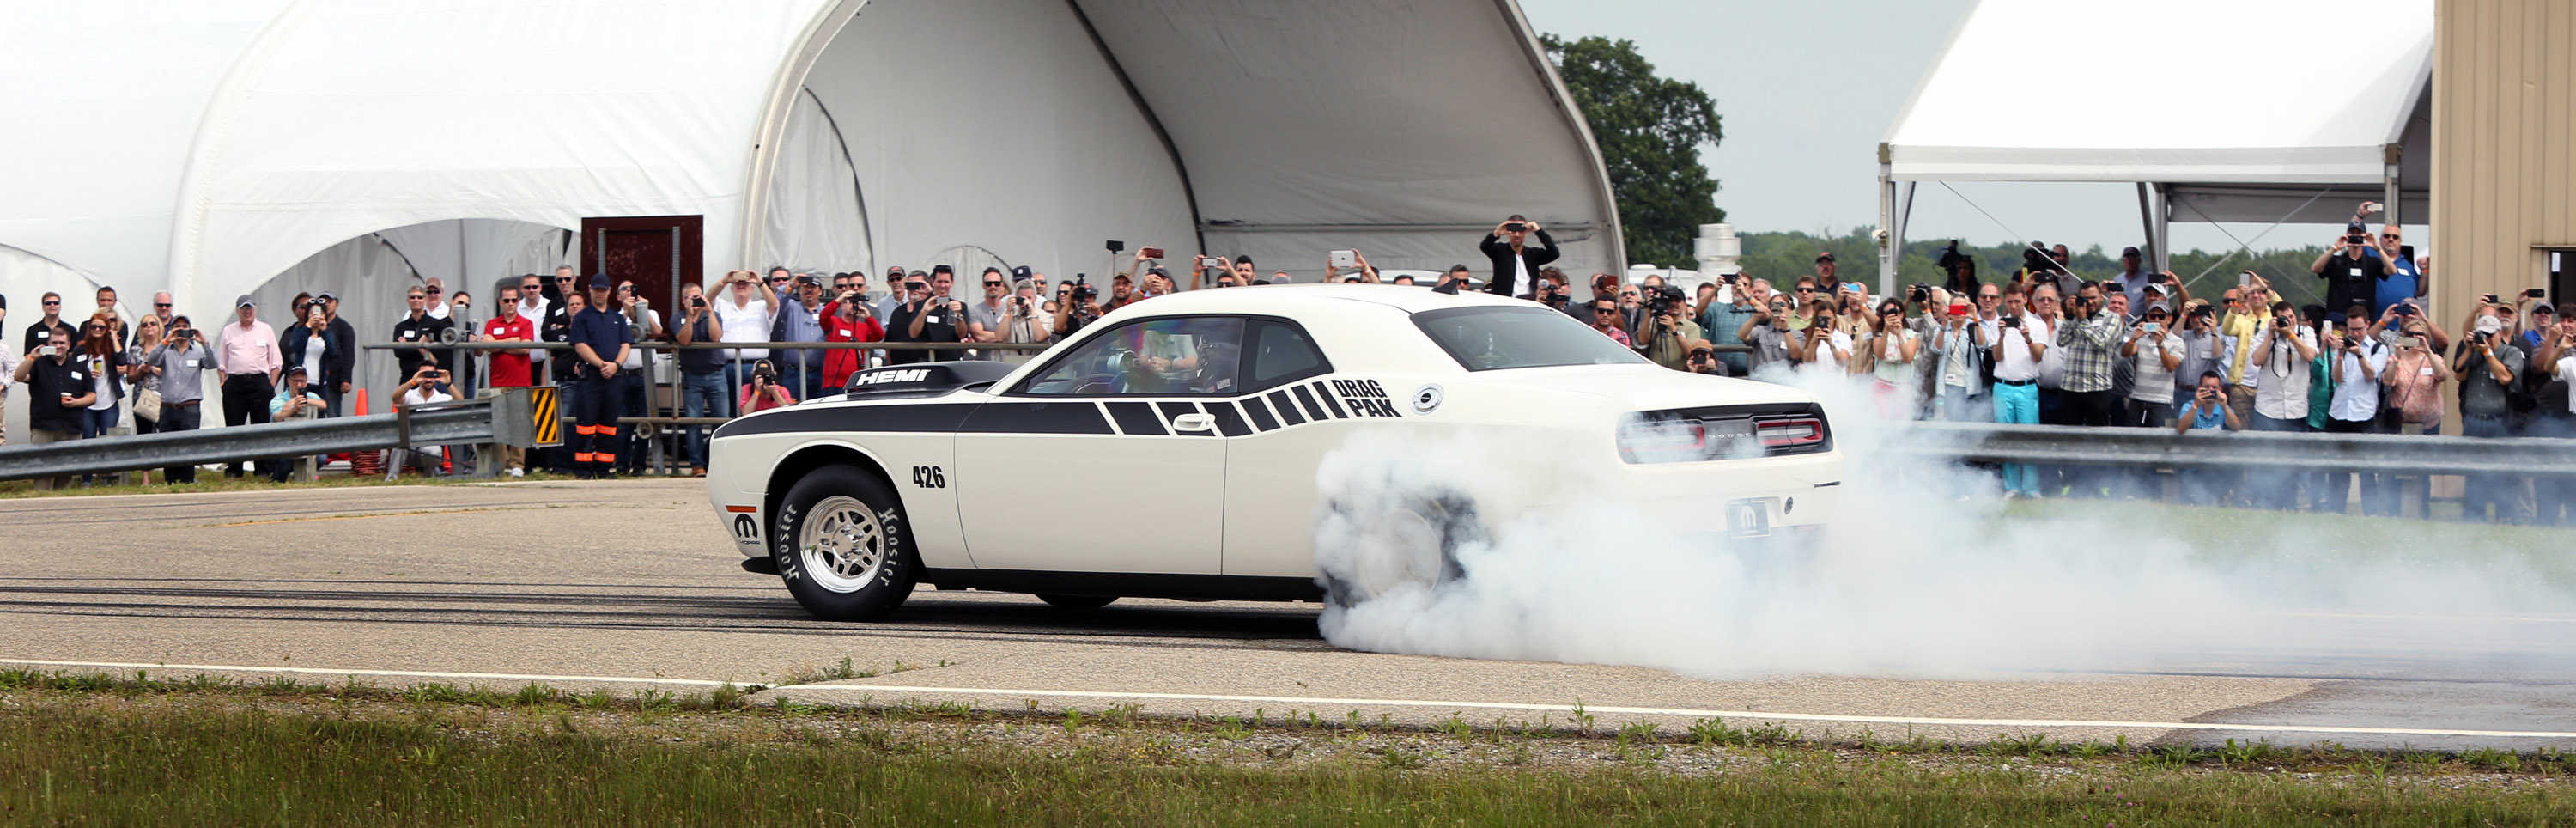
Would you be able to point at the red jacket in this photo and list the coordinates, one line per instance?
(838, 365)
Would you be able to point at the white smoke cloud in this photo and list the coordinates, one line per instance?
(1911, 580)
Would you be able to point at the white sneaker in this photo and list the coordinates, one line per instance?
(518, 472)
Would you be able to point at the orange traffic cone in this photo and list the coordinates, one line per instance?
(364, 463)
(361, 410)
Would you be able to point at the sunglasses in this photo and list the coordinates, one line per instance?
(992, 284)
(415, 297)
(915, 286)
(53, 303)
(1806, 290)
(160, 304)
(94, 329)
(562, 279)
(435, 291)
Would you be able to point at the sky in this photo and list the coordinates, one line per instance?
(1807, 89)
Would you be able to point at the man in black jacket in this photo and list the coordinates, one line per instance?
(338, 376)
(1516, 265)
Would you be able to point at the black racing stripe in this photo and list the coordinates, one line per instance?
(1314, 410)
(1326, 394)
(918, 417)
(1026, 417)
(1260, 414)
(1228, 420)
(1137, 418)
(1288, 413)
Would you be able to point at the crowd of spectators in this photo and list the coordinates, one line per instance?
(2039, 345)
(2137, 349)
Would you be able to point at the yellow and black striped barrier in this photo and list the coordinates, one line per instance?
(542, 404)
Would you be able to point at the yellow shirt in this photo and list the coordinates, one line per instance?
(2242, 326)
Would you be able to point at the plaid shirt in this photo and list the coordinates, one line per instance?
(2091, 348)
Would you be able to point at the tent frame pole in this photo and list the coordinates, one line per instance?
(1891, 234)
(2391, 177)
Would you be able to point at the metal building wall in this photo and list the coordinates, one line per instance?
(2504, 147)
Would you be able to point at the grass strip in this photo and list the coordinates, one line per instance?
(275, 754)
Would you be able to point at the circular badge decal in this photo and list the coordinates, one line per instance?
(1426, 398)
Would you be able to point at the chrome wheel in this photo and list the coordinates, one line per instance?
(841, 544)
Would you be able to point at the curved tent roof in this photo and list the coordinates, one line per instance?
(207, 146)
(2242, 108)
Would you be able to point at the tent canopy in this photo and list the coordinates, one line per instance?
(2238, 110)
(207, 146)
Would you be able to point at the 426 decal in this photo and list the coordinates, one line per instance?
(929, 477)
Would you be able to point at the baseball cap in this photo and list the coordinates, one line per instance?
(293, 370)
(1022, 272)
(2355, 227)
(2543, 309)
(599, 281)
(896, 270)
(1824, 255)
(245, 302)
(808, 279)
(1157, 271)
(2130, 252)
(326, 296)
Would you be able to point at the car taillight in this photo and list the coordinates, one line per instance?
(1795, 433)
(1662, 441)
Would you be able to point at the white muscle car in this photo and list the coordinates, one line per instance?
(1170, 449)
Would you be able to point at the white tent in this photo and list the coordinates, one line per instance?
(2221, 110)
(223, 147)
(208, 146)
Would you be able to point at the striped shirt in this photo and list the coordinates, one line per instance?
(2091, 345)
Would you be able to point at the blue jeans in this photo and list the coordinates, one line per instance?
(799, 382)
(2270, 488)
(2018, 404)
(737, 373)
(96, 421)
(702, 395)
(2483, 490)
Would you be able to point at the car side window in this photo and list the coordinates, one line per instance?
(1150, 357)
(1281, 353)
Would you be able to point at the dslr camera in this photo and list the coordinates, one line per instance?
(763, 374)
(1082, 289)
(1663, 300)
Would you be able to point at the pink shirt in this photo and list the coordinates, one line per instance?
(752, 400)
(248, 351)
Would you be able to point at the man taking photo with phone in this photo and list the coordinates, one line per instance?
(1517, 263)
(59, 388)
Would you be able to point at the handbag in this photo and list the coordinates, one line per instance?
(147, 404)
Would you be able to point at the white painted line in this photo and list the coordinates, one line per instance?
(318, 671)
(1343, 702)
(1729, 714)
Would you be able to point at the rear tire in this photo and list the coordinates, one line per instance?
(1420, 539)
(1077, 602)
(842, 545)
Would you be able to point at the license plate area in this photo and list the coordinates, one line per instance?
(1751, 517)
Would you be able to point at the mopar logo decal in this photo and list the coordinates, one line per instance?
(899, 375)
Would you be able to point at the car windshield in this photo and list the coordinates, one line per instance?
(1496, 337)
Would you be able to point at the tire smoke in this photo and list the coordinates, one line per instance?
(1921, 573)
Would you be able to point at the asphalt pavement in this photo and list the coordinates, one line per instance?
(633, 585)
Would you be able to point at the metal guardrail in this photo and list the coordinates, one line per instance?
(719, 346)
(503, 419)
(2287, 451)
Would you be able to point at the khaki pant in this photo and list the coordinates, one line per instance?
(41, 436)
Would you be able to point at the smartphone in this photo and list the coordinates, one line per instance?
(1515, 226)
(1150, 252)
(2536, 293)
(2488, 298)
(1958, 309)
(1346, 258)
(45, 350)
(2416, 342)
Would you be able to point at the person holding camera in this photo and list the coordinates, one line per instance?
(925, 316)
(427, 385)
(60, 389)
(849, 322)
(764, 391)
(176, 366)
(314, 346)
(418, 328)
(1958, 343)
(297, 399)
(1516, 263)
(1665, 334)
(1077, 305)
(1888, 355)
(601, 340)
(1737, 298)
(702, 382)
(2552, 380)
(2351, 268)
(743, 307)
(2156, 352)
(801, 319)
(1767, 333)
(2486, 366)
(1822, 347)
(1024, 319)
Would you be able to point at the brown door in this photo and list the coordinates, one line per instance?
(658, 252)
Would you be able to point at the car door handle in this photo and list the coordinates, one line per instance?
(1193, 422)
